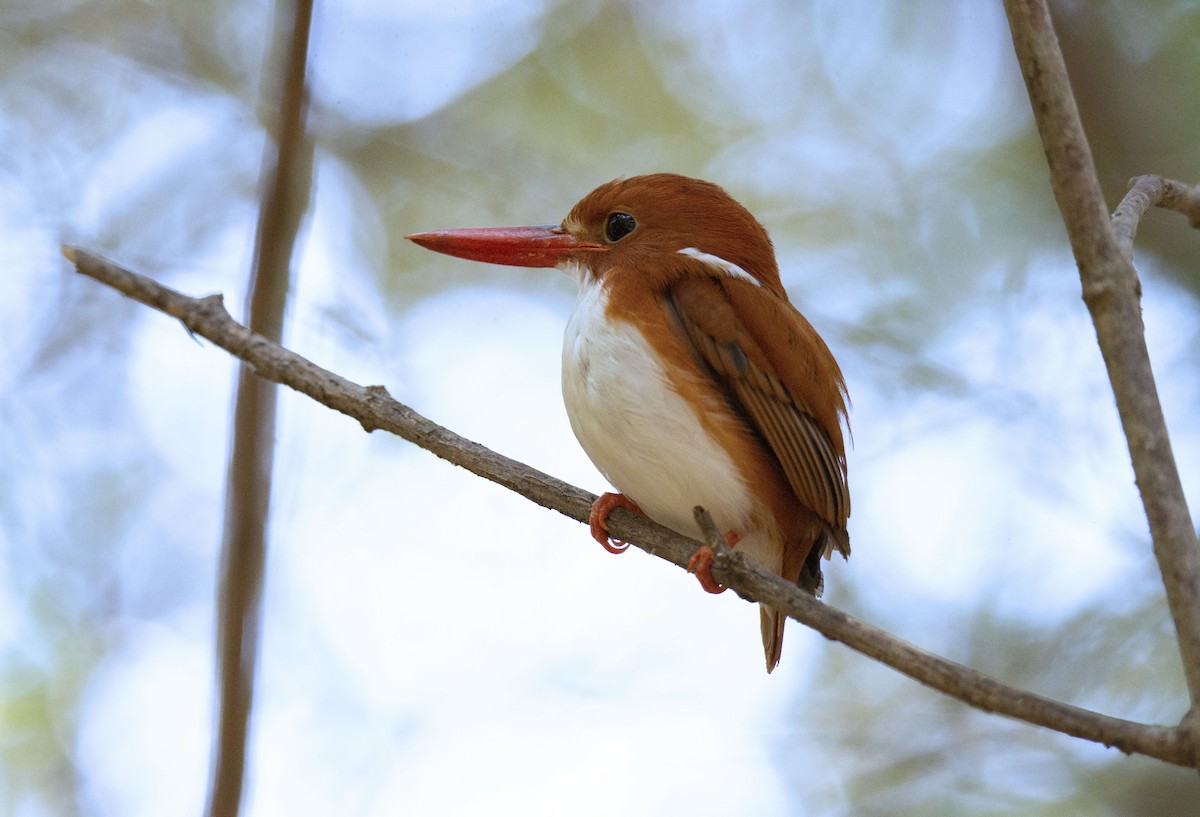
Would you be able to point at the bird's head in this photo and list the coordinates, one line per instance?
(641, 224)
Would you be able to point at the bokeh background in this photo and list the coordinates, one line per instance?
(437, 646)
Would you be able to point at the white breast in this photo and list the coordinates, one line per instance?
(640, 433)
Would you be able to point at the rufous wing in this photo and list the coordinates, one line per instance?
(783, 381)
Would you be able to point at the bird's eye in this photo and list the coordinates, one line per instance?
(619, 225)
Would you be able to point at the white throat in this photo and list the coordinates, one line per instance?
(639, 431)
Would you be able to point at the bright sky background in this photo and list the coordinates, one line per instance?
(436, 645)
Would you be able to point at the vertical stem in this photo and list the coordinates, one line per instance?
(1112, 293)
(286, 187)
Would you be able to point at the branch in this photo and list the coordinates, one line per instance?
(375, 409)
(1152, 191)
(286, 184)
(1112, 293)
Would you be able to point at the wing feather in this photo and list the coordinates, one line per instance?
(727, 346)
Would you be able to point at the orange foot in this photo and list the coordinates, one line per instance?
(598, 519)
(701, 565)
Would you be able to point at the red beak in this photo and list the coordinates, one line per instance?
(511, 246)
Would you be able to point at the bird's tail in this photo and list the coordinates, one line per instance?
(810, 579)
(772, 622)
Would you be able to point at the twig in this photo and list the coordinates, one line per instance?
(286, 181)
(374, 409)
(1152, 191)
(1111, 291)
(712, 534)
(713, 538)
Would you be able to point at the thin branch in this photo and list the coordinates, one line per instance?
(712, 534)
(1152, 191)
(375, 409)
(286, 184)
(1111, 291)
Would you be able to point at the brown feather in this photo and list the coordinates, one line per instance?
(811, 458)
(681, 263)
(765, 384)
(809, 452)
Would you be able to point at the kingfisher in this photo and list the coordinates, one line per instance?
(689, 377)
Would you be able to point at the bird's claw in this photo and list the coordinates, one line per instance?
(701, 566)
(598, 520)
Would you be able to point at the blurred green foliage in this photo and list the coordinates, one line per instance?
(892, 160)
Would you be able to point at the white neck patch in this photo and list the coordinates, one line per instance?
(720, 265)
(582, 273)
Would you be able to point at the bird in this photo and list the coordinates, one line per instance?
(688, 376)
